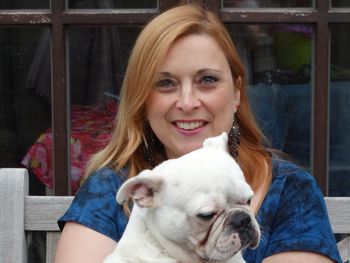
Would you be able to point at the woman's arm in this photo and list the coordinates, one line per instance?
(82, 244)
(297, 257)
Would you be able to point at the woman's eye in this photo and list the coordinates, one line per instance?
(165, 83)
(206, 216)
(208, 80)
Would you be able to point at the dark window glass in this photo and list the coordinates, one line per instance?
(24, 4)
(339, 119)
(340, 3)
(25, 98)
(96, 4)
(96, 71)
(278, 61)
(266, 3)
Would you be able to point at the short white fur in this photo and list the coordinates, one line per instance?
(168, 222)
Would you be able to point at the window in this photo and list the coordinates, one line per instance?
(61, 69)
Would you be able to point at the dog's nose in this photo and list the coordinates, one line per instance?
(240, 220)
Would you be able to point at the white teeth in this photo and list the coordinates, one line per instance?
(189, 125)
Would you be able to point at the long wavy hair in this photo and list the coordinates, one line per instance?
(148, 54)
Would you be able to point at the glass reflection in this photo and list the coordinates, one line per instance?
(266, 3)
(25, 100)
(340, 3)
(28, 4)
(339, 119)
(278, 61)
(106, 4)
(96, 71)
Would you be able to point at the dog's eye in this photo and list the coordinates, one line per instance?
(249, 201)
(206, 216)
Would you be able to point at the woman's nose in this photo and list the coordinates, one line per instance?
(188, 101)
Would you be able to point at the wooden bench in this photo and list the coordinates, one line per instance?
(21, 213)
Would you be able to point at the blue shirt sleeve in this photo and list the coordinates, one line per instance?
(293, 216)
(95, 205)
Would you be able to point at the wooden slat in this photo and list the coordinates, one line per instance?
(13, 189)
(344, 249)
(268, 15)
(77, 17)
(51, 245)
(339, 214)
(42, 212)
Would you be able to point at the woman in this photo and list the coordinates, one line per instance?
(184, 83)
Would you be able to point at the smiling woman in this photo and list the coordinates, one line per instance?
(195, 96)
(199, 98)
(184, 83)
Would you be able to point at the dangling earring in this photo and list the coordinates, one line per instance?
(233, 139)
(147, 145)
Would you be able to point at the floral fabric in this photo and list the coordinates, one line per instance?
(91, 128)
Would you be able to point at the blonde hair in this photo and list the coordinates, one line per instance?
(147, 56)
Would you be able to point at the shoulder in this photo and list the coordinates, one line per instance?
(286, 171)
(289, 176)
(293, 215)
(106, 177)
(293, 191)
(95, 206)
(99, 185)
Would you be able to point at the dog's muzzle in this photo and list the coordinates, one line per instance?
(242, 223)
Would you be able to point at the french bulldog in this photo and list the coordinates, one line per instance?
(191, 209)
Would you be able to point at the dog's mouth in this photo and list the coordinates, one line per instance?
(249, 238)
(242, 223)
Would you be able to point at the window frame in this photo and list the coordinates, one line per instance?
(58, 18)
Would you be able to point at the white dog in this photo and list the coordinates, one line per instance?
(190, 209)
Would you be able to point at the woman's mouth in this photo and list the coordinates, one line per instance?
(189, 125)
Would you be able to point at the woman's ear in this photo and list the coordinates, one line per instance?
(237, 91)
(238, 82)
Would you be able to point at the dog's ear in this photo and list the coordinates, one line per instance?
(218, 142)
(140, 188)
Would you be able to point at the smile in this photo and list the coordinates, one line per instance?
(189, 125)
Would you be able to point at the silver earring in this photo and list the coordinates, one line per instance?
(233, 139)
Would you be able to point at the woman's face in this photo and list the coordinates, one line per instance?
(195, 96)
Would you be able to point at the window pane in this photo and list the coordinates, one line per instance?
(25, 100)
(266, 3)
(24, 4)
(277, 59)
(96, 73)
(339, 121)
(96, 4)
(340, 3)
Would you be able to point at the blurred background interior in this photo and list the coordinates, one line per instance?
(278, 56)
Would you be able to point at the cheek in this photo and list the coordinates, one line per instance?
(223, 108)
(171, 222)
(155, 106)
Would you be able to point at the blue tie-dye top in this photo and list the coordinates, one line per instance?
(292, 217)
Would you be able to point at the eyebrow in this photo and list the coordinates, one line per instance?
(201, 71)
(165, 73)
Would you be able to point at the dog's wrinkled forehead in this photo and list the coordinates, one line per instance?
(204, 178)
